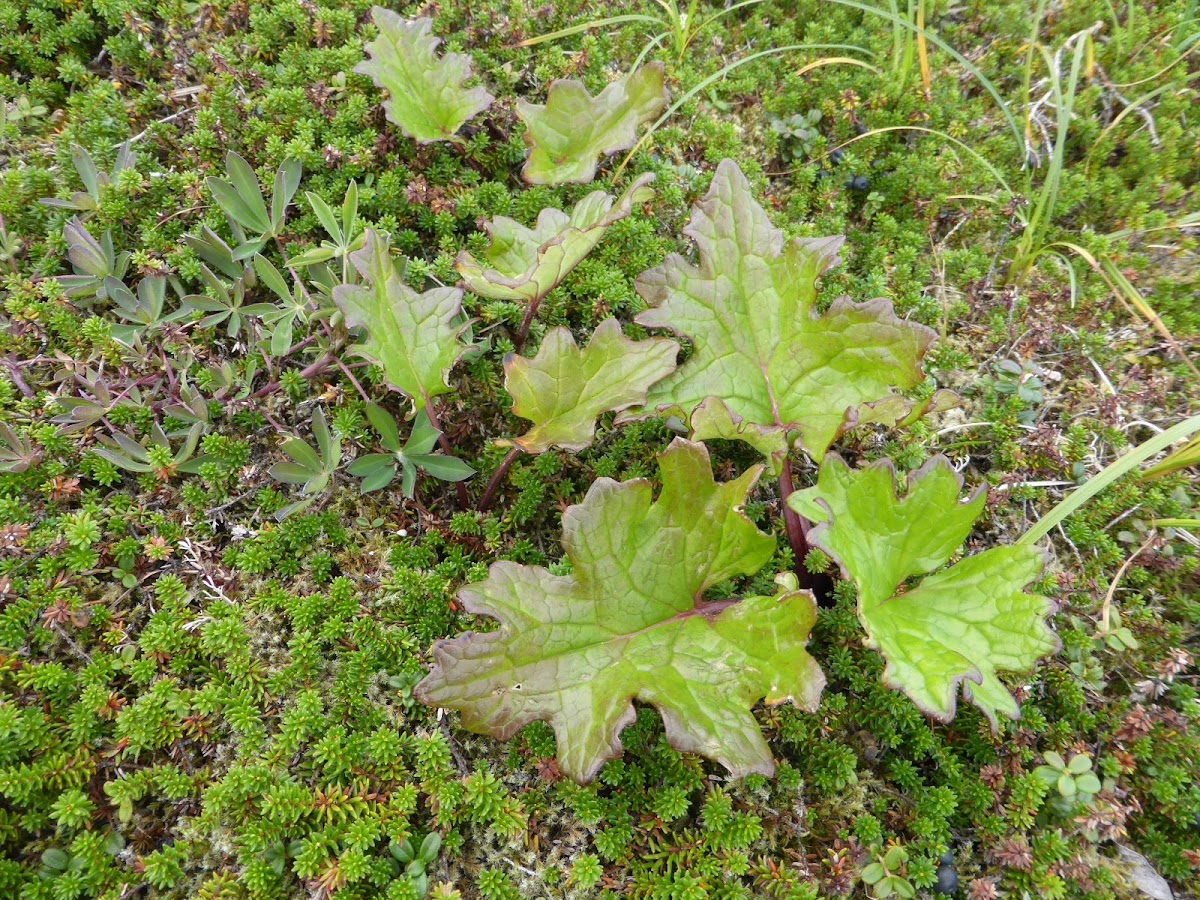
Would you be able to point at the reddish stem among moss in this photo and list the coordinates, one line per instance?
(796, 526)
(493, 485)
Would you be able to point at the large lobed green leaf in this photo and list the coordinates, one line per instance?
(427, 98)
(631, 623)
(567, 135)
(412, 336)
(525, 264)
(563, 389)
(960, 625)
(766, 365)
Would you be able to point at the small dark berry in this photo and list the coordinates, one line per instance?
(946, 859)
(859, 183)
(860, 128)
(947, 880)
(837, 156)
(821, 173)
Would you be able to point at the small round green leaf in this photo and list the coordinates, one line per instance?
(873, 873)
(1079, 764)
(1066, 785)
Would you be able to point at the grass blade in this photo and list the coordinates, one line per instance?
(587, 26)
(1187, 455)
(717, 76)
(923, 50)
(982, 160)
(958, 57)
(1111, 473)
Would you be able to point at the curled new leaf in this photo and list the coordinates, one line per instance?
(428, 101)
(766, 365)
(563, 389)
(960, 625)
(630, 622)
(525, 264)
(568, 134)
(412, 336)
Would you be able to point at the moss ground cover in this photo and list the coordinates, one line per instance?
(200, 697)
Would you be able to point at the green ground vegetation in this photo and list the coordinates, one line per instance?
(210, 638)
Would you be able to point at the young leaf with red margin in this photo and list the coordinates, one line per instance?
(957, 626)
(631, 623)
(766, 366)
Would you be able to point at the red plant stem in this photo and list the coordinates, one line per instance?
(315, 369)
(302, 344)
(526, 322)
(797, 527)
(167, 368)
(267, 362)
(14, 373)
(493, 485)
(354, 381)
(444, 442)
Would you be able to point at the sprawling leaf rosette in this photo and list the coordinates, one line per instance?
(564, 389)
(630, 623)
(426, 96)
(766, 366)
(958, 626)
(567, 135)
(413, 337)
(526, 264)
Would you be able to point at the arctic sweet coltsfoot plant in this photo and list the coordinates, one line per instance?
(427, 99)
(573, 129)
(564, 389)
(525, 264)
(631, 623)
(414, 337)
(767, 368)
(959, 626)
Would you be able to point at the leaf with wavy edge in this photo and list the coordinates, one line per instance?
(563, 389)
(526, 264)
(566, 136)
(412, 336)
(427, 98)
(766, 365)
(630, 624)
(958, 626)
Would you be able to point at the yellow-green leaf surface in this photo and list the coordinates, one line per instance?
(427, 98)
(412, 336)
(630, 623)
(563, 389)
(525, 264)
(958, 626)
(766, 366)
(567, 135)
